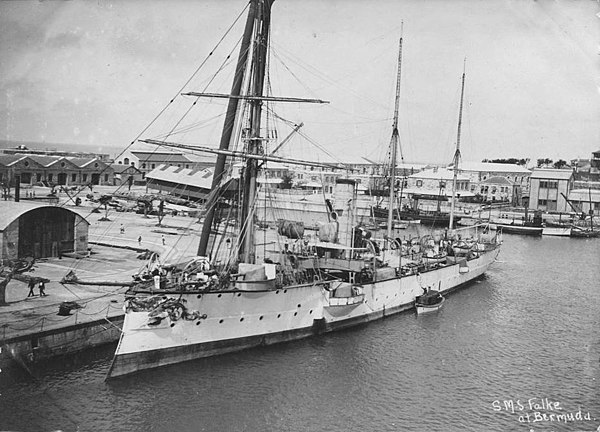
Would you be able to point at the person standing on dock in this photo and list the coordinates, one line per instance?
(163, 240)
(31, 286)
(43, 289)
(140, 240)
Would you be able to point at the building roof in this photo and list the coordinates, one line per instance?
(585, 195)
(493, 167)
(7, 160)
(438, 174)
(11, 210)
(83, 162)
(269, 180)
(406, 192)
(551, 174)
(498, 180)
(161, 157)
(121, 168)
(311, 185)
(182, 176)
(45, 161)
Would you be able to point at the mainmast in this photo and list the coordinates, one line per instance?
(229, 124)
(394, 146)
(457, 152)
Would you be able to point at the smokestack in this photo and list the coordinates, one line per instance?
(17, 188)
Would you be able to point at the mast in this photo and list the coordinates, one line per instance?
(247, 234)
(591, 211)
(394, 146)
(229, 124)
(457, 152)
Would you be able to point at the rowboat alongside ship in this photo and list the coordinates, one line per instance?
(430, 301)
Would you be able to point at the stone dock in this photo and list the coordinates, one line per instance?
(31, 330)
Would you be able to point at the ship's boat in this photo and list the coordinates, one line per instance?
(430, 301)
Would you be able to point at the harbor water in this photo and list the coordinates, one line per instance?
(518, 350)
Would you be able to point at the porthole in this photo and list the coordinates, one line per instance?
(299, 305)
(260, 318)
(310, 311)
(220, 321)
(241, 319)
(219, 296)
(198, 322)
(295, 313)
(278, 315)
(284, 291)
(199, 296)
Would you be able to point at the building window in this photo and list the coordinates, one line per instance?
(153, 165)
(105, 177)
(419, 183)
(549, 184)
(126, 161)
(73, 177)
(144, 165)
(542, 202)
(186, 166)
(50, 177)
(84, 179)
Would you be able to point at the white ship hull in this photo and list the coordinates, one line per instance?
(236, 320)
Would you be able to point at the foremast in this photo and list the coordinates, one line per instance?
(262, 23)
(457, 151)
(228, 126)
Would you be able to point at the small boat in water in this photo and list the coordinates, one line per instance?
(564, 231)
(431, 301)
(582, 232)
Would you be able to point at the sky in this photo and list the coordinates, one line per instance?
(96, 74)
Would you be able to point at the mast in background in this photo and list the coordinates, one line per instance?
(457, 152)
(394, 146)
